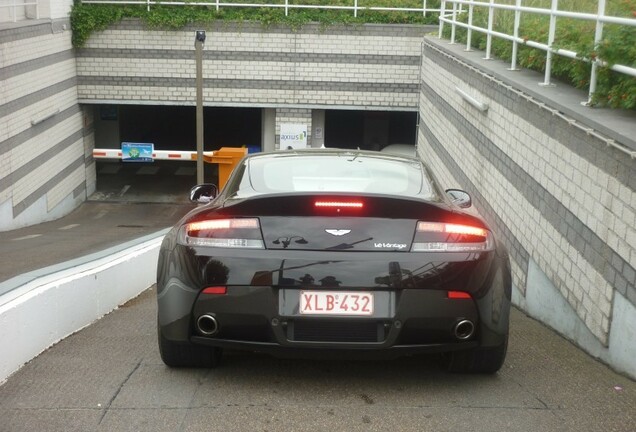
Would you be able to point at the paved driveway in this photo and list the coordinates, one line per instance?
(109, 377)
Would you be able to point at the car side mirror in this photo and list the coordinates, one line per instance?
(460, 198)
(203, 193)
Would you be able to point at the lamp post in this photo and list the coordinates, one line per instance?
(199, 40)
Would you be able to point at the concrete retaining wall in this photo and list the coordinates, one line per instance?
(39, 309)
(561, 198)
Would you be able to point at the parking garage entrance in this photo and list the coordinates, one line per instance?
(369, 130)
(173, 128)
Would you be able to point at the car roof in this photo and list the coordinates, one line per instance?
(333, 152)
(401, 149)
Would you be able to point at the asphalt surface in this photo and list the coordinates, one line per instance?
(109, 376)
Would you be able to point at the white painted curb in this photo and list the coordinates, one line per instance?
(63, 299)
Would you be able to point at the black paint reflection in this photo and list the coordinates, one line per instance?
(286, 241)
(330, 282)
(214, 272)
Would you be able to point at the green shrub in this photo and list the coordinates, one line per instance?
(88, 18)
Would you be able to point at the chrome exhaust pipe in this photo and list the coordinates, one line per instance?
(207, 325)
(464, 329)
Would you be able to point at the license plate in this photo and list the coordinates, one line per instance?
(336, 303)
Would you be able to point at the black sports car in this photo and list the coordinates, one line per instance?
(333, 252)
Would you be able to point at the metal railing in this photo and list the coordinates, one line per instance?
(450, 15)
(15, 5)
(285, 4)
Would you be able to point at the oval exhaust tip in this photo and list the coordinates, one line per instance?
(464, 329)
(207, 325)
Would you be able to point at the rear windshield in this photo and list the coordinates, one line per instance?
(338, 173)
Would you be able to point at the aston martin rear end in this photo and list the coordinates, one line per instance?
(333, 253)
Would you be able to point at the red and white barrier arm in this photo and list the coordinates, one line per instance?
(157, 154)
(106, 154)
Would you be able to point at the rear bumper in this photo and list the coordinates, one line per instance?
(318, 350)
(418, 317)
(250, 318)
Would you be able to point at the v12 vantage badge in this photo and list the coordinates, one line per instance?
(381, 245)
(398, 246)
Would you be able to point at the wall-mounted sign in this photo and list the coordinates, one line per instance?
(293, 135)
(137, 152)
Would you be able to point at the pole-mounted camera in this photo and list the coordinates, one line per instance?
(199, 36)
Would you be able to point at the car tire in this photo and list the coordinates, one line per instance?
(477, 360)
(188, 355)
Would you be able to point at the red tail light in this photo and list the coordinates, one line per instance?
(450, 228)
(445, 237)
(455, 295)
(223, 233)
(218, 290)
(219, 224)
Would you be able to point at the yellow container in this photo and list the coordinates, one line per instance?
(227, 158)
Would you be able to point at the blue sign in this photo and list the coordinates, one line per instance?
(137, 152)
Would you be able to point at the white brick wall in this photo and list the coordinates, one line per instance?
(25, 152)
(23, 50)
(37, 65)
(313, 48)
(61, 190)
(241, 70)
(603, 204)
(357, 44)
(39, 176)
(30, 82)
(5, 170)
(20, 120)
